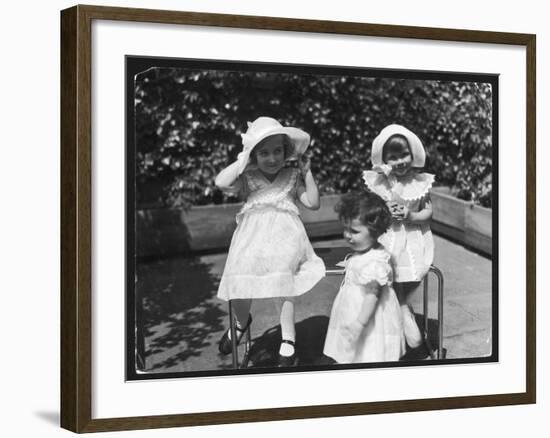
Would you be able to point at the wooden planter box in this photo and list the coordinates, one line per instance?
(463, 221)
(163, 232)
(166, 232)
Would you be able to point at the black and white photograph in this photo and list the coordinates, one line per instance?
(285, 218)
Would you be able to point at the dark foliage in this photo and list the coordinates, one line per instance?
(188, 125)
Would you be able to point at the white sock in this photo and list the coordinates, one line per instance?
(241, 309)
(413, 336)
(288, 331)
(237, 326)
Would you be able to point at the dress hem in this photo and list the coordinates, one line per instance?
(298, 285)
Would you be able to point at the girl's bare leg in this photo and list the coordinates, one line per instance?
(241, 315)
(241, 309)
(288, 329)
(413, 336)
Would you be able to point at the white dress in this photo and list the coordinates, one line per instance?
(270, 254)
(411, 245)
(382, 339)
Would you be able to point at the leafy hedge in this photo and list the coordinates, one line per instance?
(188, 124)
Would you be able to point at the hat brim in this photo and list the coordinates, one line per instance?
(300, 139)
(300, 142)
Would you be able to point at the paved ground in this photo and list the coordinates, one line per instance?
(183, 319)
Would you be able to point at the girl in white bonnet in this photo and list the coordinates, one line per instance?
(270, 254)
(397, 157)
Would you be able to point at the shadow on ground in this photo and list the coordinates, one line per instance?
(310, 338)
(179, 311)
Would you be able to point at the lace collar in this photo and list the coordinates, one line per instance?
(413, 186)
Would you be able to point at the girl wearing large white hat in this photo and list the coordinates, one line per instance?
(397, 156)
(270, 254)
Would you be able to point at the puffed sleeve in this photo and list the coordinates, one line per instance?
(377, 269)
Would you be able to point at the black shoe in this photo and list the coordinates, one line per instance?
(287, 361)
(225, 346)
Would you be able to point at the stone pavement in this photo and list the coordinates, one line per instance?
(184, 320)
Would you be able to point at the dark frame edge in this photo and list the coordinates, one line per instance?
(69, 333)
(531, 217)
(303, 25)
(75, 348)
(304, 412)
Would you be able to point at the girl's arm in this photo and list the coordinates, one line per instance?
(308, 194)
(368, 307)
(228, 178)
(422, 216)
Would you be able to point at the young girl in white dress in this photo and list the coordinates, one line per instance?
(397, 157)
(270, 254)
(365, 321)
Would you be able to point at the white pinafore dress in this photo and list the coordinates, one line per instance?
(411, 245)
(270, 254)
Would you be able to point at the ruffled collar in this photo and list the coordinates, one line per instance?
(413, 186)
(284, 174)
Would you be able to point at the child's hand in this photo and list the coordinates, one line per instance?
(403, 213)
(351, 332)
(392, 205)
(396, 210)
(304, 162)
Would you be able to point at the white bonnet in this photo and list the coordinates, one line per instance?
(417, 149)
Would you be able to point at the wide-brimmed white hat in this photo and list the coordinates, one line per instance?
(264, 127)
(417, 149)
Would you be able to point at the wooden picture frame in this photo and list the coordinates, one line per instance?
(76, 218)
